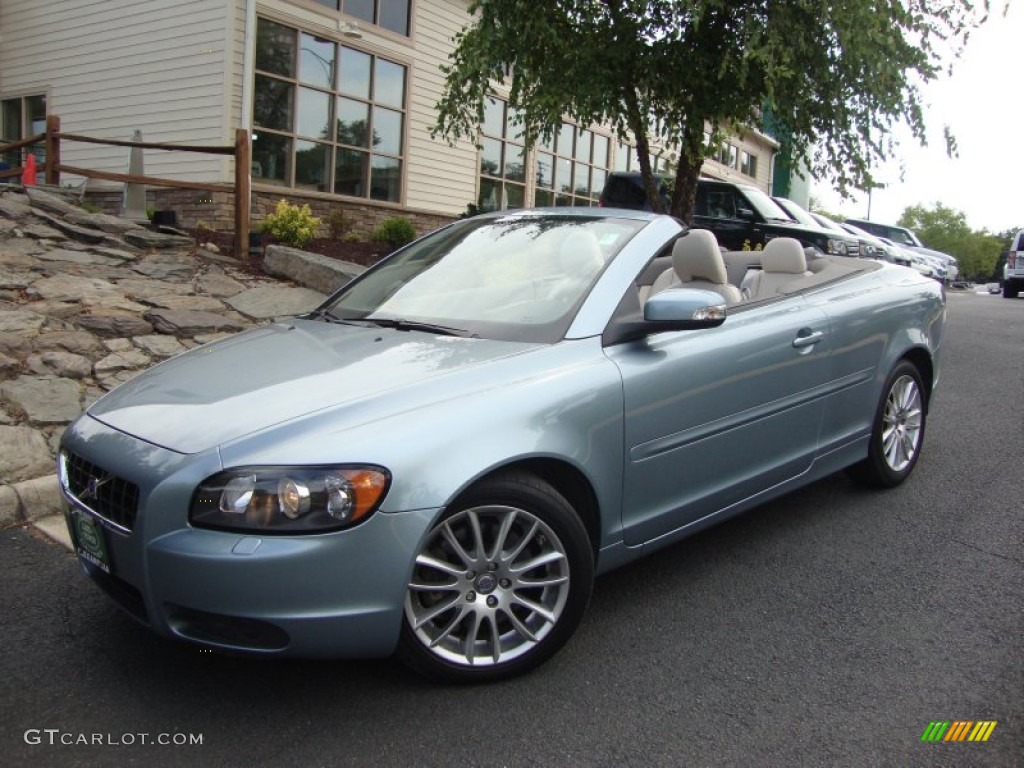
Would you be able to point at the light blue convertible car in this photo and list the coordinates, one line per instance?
(438, 460)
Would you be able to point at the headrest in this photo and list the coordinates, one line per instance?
(580, 253)
(784, 254)
(696, 256)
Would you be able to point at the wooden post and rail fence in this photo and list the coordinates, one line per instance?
(241, 151)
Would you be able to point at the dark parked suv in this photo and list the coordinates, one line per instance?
(738, 214)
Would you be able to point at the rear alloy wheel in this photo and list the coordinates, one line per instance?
(499, 585)
(898, 430)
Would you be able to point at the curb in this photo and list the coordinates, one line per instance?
(10, 507)
(37, 502)
(30, 500)
(39, 498)
(56, 529)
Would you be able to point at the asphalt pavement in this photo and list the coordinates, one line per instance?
(828, 628)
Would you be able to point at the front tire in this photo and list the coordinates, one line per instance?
(898, 431)
(500, 583)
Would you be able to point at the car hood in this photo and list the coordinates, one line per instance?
(945, 258)
(277, 373)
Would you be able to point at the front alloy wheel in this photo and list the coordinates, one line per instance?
(498, 585)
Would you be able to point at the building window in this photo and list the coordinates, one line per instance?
(20, 118)
(572, 167)
(390, 14)
(748, 164)
(728, 156)
(502, 159)
(327, 117)
(625, 157)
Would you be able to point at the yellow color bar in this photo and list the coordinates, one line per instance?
(982, 730)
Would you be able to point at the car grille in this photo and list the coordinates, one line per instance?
(111, 497)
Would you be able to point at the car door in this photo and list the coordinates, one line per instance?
(714, 416)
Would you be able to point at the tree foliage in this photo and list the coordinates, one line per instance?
(945, 229)
(834, 74)
(814, 205)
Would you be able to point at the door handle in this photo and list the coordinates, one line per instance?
(807, 338)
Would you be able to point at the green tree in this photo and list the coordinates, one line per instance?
(945, 229)
(835, 74)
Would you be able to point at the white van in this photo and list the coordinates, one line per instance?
(1013, 270)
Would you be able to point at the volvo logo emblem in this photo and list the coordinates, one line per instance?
(94, 485)
(486, 583)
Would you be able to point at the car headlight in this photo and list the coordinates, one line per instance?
(288, 499)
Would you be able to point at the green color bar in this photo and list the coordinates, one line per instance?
(935, 730)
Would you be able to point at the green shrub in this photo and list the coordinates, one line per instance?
(337, 223)
(396, 232)
(291, 224)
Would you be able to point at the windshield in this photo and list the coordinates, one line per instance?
(518, 278)
(764, 205)
(911, 238)
(827, 223)
(796, 212)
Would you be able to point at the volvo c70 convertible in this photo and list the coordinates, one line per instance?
(437, 461)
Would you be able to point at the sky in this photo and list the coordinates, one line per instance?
(983, 103)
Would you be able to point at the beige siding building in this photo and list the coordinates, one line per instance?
(339, 96)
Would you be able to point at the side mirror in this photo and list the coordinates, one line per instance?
(745, 213)
(684, 309)
(675, 309)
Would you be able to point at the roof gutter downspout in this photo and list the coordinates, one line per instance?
(248, 63)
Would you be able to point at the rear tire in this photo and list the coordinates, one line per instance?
(898, 431)
(1010, 289)
(500, 583)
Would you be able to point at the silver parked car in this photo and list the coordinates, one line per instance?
(438, 460)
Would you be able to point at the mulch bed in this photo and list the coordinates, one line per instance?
(364, 254)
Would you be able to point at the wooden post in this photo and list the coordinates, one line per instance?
(243, 191)
(52, 144)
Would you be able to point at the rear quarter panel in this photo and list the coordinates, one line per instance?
(876, 319)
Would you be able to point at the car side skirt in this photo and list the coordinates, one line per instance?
(826, 464)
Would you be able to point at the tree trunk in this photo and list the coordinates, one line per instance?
(691, 160)
(643, 153)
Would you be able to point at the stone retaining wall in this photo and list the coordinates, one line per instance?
(216, 210)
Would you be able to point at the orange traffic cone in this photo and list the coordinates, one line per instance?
(28, 176)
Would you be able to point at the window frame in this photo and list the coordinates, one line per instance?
(500, 178)
(369, 158)
(343, 16)
(555, 150)
(16, 158)
(748, 163)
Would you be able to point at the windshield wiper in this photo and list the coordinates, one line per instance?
(415, 325)
(330, 317)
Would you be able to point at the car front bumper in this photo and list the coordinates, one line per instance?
(336, 594)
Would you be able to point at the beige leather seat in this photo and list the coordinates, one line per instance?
(580, 258)
(783, 262)
(697, 263)
(581, 255)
